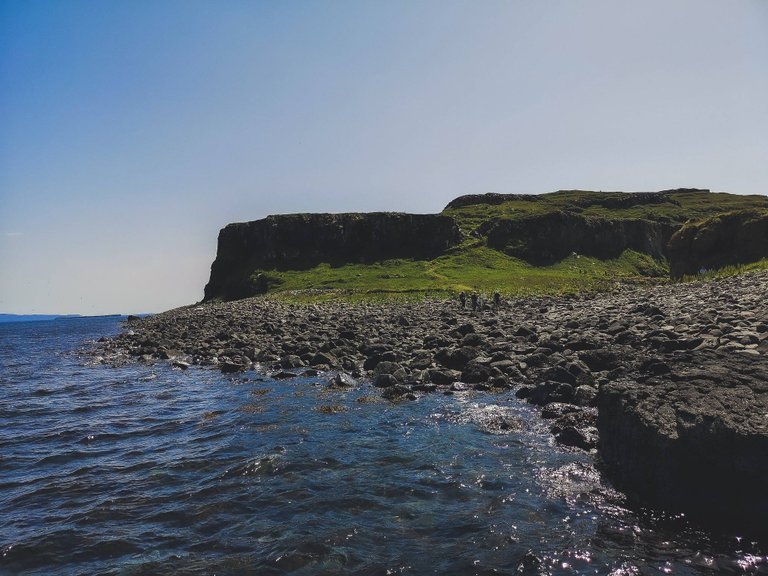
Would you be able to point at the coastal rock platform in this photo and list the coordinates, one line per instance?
(667, 385)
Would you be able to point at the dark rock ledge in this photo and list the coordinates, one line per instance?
(672, 379)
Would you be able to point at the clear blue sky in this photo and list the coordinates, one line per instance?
(132, 131)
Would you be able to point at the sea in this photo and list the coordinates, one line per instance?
(148, 469)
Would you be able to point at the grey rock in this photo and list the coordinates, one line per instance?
(525, 331)
(474, 339)
(444, 377)
(232, 367)
(342, 380)
(323, 358)
(599, 360)
(572, 436)
(390, 368)
(556, 410)
(475, 372)
(585, 395)
(385, 381)
(559, 374)
(465, 329)
(700, 448)
(458, 358)
(396, 391)
(291, 361)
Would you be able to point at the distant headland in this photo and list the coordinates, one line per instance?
(7, 318)
(516, 244)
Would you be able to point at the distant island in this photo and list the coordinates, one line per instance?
(7, 318)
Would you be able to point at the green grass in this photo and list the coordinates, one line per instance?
(679, 207)
(684, 207)
(472, 267)
(734, 270)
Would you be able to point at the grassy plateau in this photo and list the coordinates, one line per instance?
(472, 266)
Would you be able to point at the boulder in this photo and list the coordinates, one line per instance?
(324, 359)
(576, 438)
(342, 380)
(390, 368)
(475, 372)
(397, 391)
(599, 360)
(385, 381)
(699, 447)
(232, 367)
(444, 377)
(457, 358)
(291, 361)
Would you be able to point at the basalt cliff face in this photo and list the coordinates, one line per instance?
(733, 238)
(300, 241)
(547, 238)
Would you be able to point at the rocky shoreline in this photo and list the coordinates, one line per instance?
(669, 384)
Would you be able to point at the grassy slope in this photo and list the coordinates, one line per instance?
(730, 271)
(473, 266)
(682, 206)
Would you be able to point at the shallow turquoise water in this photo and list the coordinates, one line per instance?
(150, 470)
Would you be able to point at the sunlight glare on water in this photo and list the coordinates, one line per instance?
(146, 470)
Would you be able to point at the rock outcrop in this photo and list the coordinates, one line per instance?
(727, 239)
(547, 238)
(300, 241)
(687, 428)
(695, 441)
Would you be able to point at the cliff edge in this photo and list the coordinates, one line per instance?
(301, 241)
(548, 238)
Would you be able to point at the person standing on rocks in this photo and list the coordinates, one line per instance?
(496, 300)
(463, 300)
(475, 301)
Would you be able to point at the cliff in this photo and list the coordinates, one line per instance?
(301, 241)
(727, 239)
(498, 242)
(547, 238)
